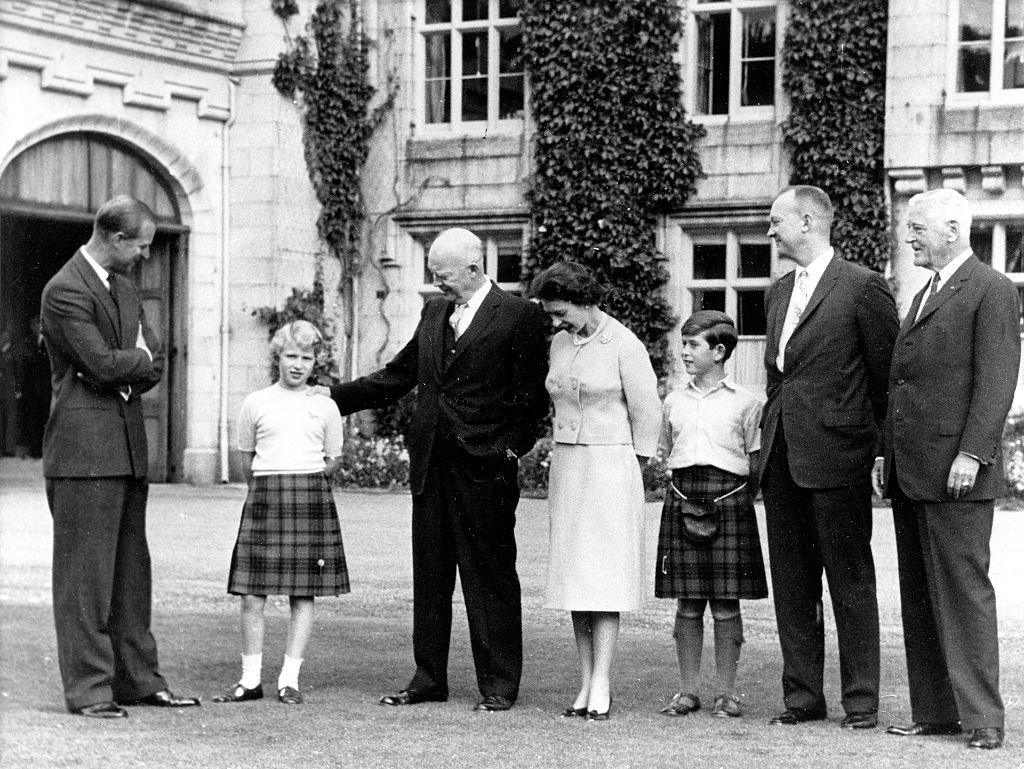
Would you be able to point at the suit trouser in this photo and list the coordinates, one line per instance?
(465, 520)
(811, 531)
(950, 629)
(102, 589)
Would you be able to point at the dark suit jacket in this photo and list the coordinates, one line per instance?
(953, 377)
(92, 431)
(832, 396)
(487, 397)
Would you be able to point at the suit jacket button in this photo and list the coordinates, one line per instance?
(901, 381)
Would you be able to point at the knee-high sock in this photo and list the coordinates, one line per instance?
(728, 640)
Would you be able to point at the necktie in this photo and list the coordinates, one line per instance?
(797, 305)
(456, 319)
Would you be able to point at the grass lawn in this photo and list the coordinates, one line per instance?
(362, 649)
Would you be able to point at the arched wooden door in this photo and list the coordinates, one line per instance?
(48, 197)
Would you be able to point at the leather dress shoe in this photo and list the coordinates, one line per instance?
(239, 693)
(571, 712)
(923, 729)
(101, 710)
(726, 706)
(289, 695)
(681, 704)
(988, 738)
(165, 698)
(413, 697)
(863, 720)
(794, 716)
(492, 703)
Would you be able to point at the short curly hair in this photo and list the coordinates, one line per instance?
(567, 282)
(716, 327)
(301, 334)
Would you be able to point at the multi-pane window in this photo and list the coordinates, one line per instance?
(734, 56)
(729, 271)
(503, 257)
(990, 45)
(1001, 245)
(472, 67)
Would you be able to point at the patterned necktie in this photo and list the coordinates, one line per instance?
(797, 305)
(456, 318)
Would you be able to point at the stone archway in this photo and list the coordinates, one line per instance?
(50, 185)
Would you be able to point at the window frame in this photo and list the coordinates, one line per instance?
(996, 93)
(492, 25)
(736, 9)
(490, 233)
(733, 234)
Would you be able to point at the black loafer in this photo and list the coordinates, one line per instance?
(493, 703)
(988, 738)
(923, 729)
(413, 697)
(865, 720)
(794, 716)
(101, 710)
(239, 693)
(165, 699)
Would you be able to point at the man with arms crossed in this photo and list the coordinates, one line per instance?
(952, 382)
(103, 356)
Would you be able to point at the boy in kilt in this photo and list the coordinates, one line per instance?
(289, 541)
(710, 439)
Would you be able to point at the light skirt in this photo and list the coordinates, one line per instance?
(596, 509)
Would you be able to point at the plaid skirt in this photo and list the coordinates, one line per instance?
(289, 541)
(730, 565)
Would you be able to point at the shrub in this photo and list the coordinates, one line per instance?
(373, 463)
(1013, 453)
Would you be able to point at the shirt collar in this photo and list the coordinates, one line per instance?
(817, 268)
(947, 272)
(103, 274)
(477, 299)
(726, 382)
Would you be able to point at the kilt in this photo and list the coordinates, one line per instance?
(289, 541)
(730, 565)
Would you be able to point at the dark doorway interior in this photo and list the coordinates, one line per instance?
(32, 249)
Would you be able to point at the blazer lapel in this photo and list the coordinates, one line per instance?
(777, 314)
(828, 280)
(481, 319)
(951, 287)
(92, 280)
(911, 319)
(436, 327)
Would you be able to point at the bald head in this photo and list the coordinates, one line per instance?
(456, 260)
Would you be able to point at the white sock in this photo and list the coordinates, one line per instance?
(289, 673)
(252, 664)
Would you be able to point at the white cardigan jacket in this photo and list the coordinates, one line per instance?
(604, 390)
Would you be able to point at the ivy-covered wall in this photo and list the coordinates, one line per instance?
(834, 73)
(613, 147)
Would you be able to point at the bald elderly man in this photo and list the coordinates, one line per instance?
(479, 359)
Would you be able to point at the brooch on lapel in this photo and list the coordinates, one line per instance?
(605, 338)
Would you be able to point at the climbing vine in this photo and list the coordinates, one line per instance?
(324, 72)
(834, 71)
(613, 148)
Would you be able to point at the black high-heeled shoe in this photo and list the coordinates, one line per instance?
(593, 715)
(571, 712)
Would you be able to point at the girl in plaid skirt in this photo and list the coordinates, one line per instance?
(710, 437)
(289, 541)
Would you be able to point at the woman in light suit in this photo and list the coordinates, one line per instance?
(607, 415)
